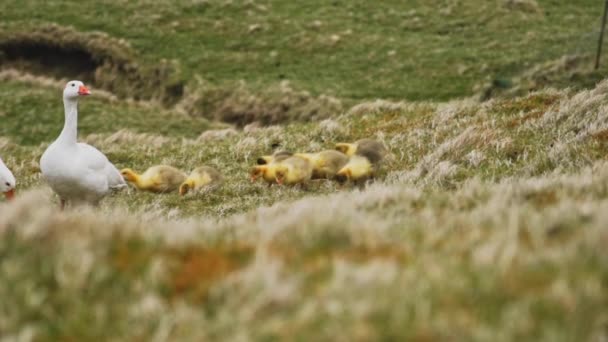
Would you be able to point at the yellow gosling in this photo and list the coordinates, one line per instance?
(266, 172)
(326, 163)
(373, 150)
(160, 178)
(358, 170)
(346, 148)
(201, 177)
(293, 170)
(277, 156)
(266, 167)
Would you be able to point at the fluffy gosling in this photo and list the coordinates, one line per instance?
(373, 150)
(325, 164)
(277, 156)
(293, 170)
(358, 170)
(266, 172)
(267, 165)
(200, 177)
(160, 178)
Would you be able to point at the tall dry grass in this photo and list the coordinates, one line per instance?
(522, 257)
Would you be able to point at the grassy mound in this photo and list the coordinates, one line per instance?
(489, 220)
(570, 71)
(414, 50)
(241, 105)
(430, 144)
(515, 259)
(33, 112)
(95, 58)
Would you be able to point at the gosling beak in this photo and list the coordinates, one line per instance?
(10, 194)
(280, 181)
(83, 90)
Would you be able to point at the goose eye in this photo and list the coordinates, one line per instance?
(7, 184)
(73, 85)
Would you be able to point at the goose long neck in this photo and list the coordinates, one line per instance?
(70, 126)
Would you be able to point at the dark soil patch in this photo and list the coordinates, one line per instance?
(239, 104)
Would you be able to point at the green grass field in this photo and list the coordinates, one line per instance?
(487, 221)
(415, 50)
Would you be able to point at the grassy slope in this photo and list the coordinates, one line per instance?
(490, 221)
(32, 114)
(415, 49)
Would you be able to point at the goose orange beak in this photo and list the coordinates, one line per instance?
(83, 90)
(10, 194)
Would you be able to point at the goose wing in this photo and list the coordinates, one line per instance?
(98, 164)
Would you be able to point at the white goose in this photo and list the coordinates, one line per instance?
(77, 172)
(7, 181)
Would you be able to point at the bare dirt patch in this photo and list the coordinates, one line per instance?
(241, 105)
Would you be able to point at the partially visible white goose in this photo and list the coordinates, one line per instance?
(77, 172)
(7, 181)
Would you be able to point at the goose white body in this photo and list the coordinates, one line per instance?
(77, 172)
(7, 180)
